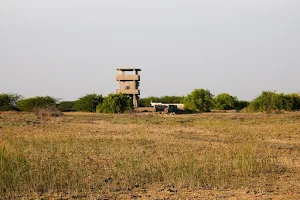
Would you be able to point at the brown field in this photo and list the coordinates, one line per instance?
(145, 156)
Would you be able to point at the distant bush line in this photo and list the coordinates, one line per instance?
(199, 100)
(113, 103)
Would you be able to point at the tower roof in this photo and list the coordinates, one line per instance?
(128, 69)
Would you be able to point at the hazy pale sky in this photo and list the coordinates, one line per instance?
(69, 48)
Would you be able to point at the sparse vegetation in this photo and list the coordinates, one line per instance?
(48, 112)
(83, 155)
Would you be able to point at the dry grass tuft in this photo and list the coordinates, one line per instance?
(48, 112)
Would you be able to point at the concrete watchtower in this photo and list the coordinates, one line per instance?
(129, 84)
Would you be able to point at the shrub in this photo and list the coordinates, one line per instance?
(242, 104)
(66, 106)
(199, 100)
(9, 101)
(225, 101)
(88, 103)
(291, 102)
(270, 101)
(115, 103)
(34, 103)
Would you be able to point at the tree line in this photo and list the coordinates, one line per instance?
(200, 100)
(113, 103)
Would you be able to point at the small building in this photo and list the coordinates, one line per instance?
(165, 107)
(129, 81)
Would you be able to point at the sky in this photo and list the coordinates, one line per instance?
(70, 48)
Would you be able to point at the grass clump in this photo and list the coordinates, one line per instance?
(48, 112)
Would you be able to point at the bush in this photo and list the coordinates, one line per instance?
(199, 100)
(115, 103)
(9, 101)
(88, 103)
(67, 106)
(34, 103)
(291, 102)
(242, 104)
(225, 101)
(270, 101)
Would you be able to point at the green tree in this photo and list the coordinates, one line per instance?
(268, 101)
(115, 103)
(225, 101)
(88, 103)
(199, 100)
(31, 104)
(9, 101)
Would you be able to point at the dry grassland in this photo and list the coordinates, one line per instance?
(143, 156)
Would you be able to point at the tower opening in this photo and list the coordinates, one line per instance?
(129, 81)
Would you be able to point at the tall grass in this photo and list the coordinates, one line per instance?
(14, 170)
(213, 169)
(56, 166)
(96, 153)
